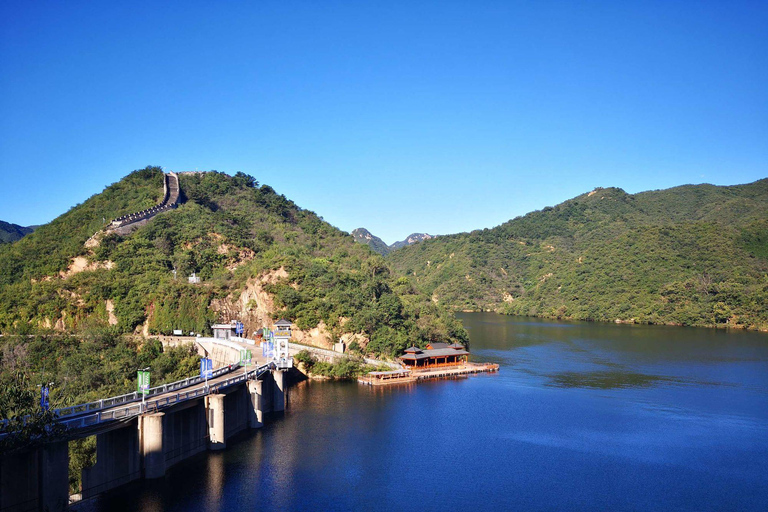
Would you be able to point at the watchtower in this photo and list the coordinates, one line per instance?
(282, 335)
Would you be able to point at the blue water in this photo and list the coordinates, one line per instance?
(580, 417)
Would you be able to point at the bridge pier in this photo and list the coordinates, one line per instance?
(117, 461)
(37, 479)
(55, 476)
(256, 410)
(214, 405)
(144, 446)
(278, 403)
(151, 435)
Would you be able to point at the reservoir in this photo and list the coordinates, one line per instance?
(581, 416)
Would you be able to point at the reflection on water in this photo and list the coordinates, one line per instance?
(580, 417)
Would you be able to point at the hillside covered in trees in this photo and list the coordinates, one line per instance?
(690, 255)
(259, 256)
(12, 232)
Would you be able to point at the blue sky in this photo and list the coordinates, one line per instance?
(397, 116)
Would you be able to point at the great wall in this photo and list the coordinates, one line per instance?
(127, 223)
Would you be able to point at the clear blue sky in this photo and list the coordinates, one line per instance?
(408, 116)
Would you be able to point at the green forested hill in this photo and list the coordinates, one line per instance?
(690, 255)
(230, 231)
(12, 232)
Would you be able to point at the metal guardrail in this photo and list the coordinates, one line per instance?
(135, 396)
(91, 413)
(132, 410)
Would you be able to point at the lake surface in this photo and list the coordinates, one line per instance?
(581, 416)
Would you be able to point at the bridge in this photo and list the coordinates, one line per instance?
(136, 440)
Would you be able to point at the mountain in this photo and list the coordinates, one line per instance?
(259, 256)
(12, 232)
(690, 255)
(363, 236)
(410, 240)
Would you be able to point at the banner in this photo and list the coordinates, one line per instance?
(268, 349)
(143, 384)
(44, 398)
(206, 368)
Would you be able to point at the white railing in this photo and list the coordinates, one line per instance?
(136, 396)
(86, 420)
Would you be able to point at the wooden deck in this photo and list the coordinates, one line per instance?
(456, 371)
(444, 372)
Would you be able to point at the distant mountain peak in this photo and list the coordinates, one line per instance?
(363, 236)
(411, 239)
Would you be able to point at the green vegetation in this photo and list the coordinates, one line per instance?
(344, 369)
(96, 364)
(228, 231)
(692, 255)
(75, 325)
(12, 232)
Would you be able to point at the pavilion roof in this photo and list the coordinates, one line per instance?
(435, 352)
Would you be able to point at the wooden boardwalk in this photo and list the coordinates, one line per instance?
(448, 372)
(445, 372)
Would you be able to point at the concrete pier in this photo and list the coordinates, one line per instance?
(215, 410)
(19, 480)
(152, 455)
(55, 472)
(278, 403)
(117, 461)
(142, 446)
(256, 392)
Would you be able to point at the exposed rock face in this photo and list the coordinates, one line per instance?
(254, 307)
(81, 264)
(316, 337)
(111, 312)
(413, 238)
(361, 339)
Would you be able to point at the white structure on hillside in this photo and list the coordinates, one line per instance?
(282, 335)
(227, 331)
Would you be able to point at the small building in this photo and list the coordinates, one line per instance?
(194, 279)
(283, 325)
(435, 355)
(225, 331)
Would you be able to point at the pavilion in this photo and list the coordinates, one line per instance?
(435, 355)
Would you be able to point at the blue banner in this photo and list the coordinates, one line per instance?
(206, 367)
(44, 404)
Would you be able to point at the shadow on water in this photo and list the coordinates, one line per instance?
(605, 380)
